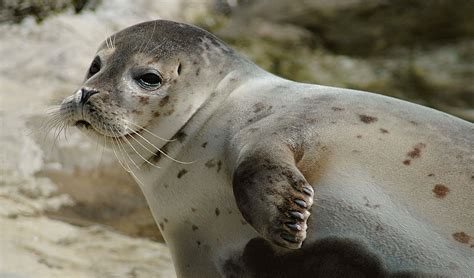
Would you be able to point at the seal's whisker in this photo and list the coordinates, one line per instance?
(127, 169)
(47, 126)
(162, 152)
(143, 146)
(146, 160)
(53, 118)
(147, 131)
(53, 112)
(128, 166)
(113, 42)
(103, 149)
(123, 148)
(56, 132)
(66, 130)
(107, 42)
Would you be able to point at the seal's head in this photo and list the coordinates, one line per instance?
(152, 75)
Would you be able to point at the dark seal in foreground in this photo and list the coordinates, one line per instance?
(265, 177)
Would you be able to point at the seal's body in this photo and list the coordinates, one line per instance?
(271, 178)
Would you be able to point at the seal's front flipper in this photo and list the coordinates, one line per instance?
(273, 195)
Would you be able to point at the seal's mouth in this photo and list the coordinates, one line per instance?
(82, 124)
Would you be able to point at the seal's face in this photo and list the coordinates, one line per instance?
(122, 93)
(146, 75)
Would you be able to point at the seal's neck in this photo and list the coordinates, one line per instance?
(191, 112)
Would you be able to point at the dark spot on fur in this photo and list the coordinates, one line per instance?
(157, 157)
(219, 166)
(156, 114)
(169, 112)
(407, 162)
(243, 222)
(217, 212)
(162, 226)
(194, 227)
(383, 130)
(359, 136)
(198, 242)
(204, 145)
(462, 237)
(195, 62)
(166, 185)
(221, 72)
(182, 173)
(193, 209)
(367, 119)
(416, 152)
(440, 191)
(413, 123)
(164, 101)
(180, 136)
(165, 219)
(337, 109)
(431, 175)
(144, 99)
(198, 71)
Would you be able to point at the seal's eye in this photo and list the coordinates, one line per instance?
(95, 67)
(149, 81)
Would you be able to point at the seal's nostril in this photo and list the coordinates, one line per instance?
(86, 94)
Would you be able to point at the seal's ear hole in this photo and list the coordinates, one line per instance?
(178, 70)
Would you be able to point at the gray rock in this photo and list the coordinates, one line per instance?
(16, 10)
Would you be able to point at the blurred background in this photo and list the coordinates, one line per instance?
(67, 209)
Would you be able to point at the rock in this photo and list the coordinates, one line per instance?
(42, 247)
(17, 10)
(414, 50)
(359, 27)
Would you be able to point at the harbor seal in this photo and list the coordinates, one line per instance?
(251, 175)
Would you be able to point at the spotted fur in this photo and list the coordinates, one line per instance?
(266, 177)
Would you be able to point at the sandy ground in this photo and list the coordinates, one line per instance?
(42, 63)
